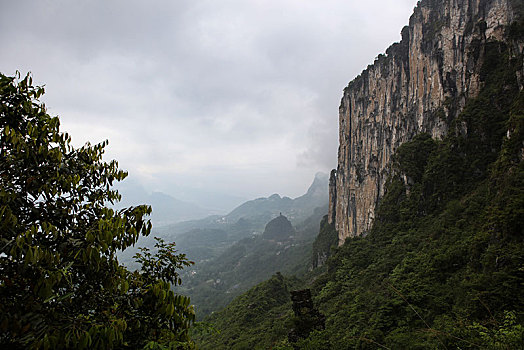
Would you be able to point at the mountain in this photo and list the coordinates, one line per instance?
(213, 283)
(426, 205)
(298, 209)
(259, 211)
(279, 229)
(207, 238)
(195, 237)
(166, 209)
(421, 85)
(254, 241)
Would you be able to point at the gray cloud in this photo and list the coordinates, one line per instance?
(233, 95)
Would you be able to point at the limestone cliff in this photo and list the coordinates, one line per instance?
(419, 85)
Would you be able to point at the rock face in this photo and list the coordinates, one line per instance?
(419, 85)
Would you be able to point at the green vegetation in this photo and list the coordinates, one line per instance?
(443, 266)
(325, 243)
(61, 286)
(257, 319)
(213, 284)
(232, 253)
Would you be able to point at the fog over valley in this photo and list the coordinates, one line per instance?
(210, 102)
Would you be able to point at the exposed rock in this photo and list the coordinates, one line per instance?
(332, 196)
(420, 85)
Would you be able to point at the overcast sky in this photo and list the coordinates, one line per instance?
(227, 96)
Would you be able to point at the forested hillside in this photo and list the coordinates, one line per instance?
(422, 247)
(280, 248)
(260, 318)
(443, 265)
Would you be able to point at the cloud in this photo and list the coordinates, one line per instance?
(240, 96)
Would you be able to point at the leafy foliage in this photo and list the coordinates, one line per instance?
(325, 243)
(61, 285)
(306, 317)
(164, 263)
(257, 319)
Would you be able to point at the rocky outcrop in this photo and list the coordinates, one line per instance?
(332, 196)
(419, 85)
(279, 229)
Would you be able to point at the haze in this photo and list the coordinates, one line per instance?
(234, 99)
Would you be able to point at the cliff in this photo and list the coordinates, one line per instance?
(420, 85)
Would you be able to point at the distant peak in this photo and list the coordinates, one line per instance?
(279, 229)
(319, 184)
(321, 176)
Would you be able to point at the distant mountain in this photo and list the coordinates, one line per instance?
(235, 251)
(248, 219)
(254, 214)
(260, 241)
(316, 194)
(296, 210)
(213, 283)
(207, 238)
(166, 209)
(215, 201)
(279, 229)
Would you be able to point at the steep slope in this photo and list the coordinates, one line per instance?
(420, 85)
(255, 320)
(441, 265)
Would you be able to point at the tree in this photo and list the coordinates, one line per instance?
(61, 285)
